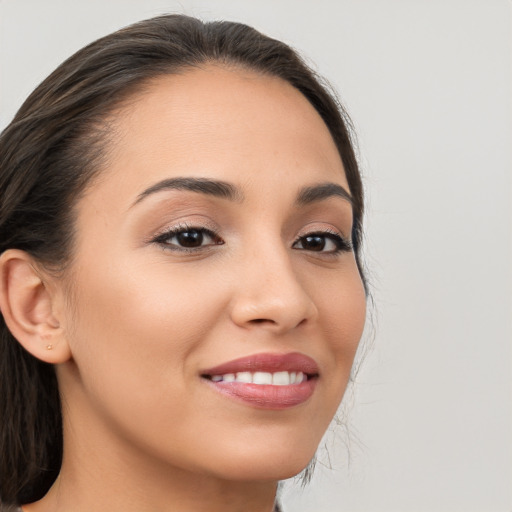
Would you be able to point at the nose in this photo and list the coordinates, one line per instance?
(269, 294)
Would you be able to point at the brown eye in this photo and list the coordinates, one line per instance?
(188, 239)
(313, 243)
(191, 238)
(323, 242)
(316, 242)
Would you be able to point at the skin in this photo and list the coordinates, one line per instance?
(138, 320)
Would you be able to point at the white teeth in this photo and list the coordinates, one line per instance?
(244, 377)
(281, 379)
(263, 378)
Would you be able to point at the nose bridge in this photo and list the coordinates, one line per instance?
(269, 291)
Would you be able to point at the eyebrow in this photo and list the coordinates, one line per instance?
(315, 193)
(206, 186)
(225, 190)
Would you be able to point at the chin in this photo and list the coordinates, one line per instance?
(268, 465)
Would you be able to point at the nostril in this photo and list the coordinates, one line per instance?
(273, 311)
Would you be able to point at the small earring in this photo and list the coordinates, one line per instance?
(49, 347)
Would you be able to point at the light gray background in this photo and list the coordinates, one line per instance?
(428, 83)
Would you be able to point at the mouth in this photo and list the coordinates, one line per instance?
(267, 381)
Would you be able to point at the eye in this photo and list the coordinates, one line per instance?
(323, 241)
(188, 238)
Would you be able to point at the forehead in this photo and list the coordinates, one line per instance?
(224, 123)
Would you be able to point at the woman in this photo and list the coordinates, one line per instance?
(181, 287)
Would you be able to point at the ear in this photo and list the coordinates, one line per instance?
(28, 310)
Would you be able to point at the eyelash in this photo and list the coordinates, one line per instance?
(341, 243)
(164, 238)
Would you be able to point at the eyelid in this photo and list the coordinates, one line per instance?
(184, 223)
(320, 228)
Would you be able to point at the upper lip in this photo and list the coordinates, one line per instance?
(267, 362)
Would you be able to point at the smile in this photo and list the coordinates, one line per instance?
(266, 381)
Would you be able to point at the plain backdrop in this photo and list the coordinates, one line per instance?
(429, 86)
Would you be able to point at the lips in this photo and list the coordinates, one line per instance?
(268, 381)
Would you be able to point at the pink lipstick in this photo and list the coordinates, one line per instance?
(267, 381)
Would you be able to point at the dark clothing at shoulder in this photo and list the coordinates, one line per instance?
(9, 508)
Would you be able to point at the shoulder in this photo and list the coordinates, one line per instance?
(9, 508)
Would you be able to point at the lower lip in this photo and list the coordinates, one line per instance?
(267, 396)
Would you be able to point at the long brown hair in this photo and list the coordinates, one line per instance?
(50, 152)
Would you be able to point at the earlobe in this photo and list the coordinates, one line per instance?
(28, 310)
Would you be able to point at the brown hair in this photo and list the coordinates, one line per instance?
(51, 151)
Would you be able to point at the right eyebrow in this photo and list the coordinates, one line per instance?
(322, 191)
(207, 186)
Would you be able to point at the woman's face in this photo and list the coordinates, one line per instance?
(215, 246)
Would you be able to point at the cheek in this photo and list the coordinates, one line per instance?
(342, 308)
(137, 327)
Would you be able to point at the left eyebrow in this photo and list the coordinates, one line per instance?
(315, 193)
(205, 186)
